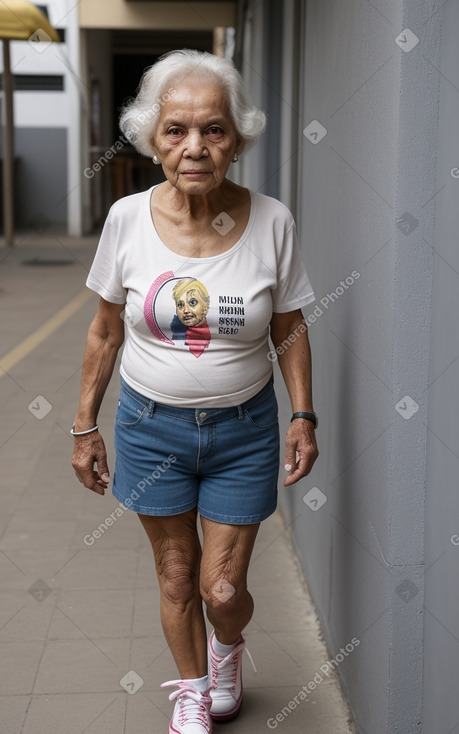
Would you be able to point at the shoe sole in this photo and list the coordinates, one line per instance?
(172, 730)
(223, 718)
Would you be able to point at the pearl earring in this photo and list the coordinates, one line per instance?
(156, 160)
(235, 158)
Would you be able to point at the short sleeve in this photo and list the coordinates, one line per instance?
(104, 277)
(293, 289)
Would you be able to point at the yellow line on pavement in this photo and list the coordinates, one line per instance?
(50, 326)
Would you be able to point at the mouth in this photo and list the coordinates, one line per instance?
(195, 173)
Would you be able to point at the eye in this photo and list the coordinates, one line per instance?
(174, 131)
(180, 304)
(215, 131)
(193, 302)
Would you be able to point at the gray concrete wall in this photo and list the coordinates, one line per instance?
(363, 551)
(372, 202)
(441, 704)
(41, 178)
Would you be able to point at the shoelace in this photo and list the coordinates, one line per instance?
(194, 705)
(227, 675)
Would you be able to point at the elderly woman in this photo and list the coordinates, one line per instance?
(196, 429)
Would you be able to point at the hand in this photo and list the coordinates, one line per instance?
(301, 450)
(87, 450)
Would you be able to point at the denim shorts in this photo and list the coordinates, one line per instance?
(223, 461)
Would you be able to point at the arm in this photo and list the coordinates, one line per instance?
(105, 337)
(295, 364)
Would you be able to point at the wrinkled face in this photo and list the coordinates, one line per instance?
(195, 139)
(191, 308)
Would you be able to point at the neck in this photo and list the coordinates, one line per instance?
(197, 206)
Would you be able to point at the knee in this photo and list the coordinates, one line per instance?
(178, 576)
(222, 596)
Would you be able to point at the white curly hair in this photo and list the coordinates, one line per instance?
(140, 115)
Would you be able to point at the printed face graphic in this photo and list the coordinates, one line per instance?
(189, 325)
(190, 308)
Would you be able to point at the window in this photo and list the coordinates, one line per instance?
(37, 82)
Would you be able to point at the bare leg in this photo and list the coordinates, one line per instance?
(177, 551)
(225, 560)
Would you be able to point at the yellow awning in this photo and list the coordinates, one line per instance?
(20, 19)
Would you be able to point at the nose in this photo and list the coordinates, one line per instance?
(195, 147)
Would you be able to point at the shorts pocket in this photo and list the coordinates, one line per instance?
(130, 411)
(264, 413)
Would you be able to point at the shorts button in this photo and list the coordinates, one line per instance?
(202, 415)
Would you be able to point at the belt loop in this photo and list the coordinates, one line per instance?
(240, 411)
(151, 408)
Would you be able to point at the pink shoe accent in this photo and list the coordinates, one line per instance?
(192, 709)
(226, 681)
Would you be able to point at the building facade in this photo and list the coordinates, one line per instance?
(362, 101)
(362, 144)
(71, 162)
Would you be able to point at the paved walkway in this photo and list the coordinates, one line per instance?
(81, 646)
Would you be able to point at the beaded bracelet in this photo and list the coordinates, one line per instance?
(82, 433)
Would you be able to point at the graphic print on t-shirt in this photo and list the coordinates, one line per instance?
(191, 306)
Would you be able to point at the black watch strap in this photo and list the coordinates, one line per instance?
(308, 416)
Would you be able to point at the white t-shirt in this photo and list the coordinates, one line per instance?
(197, 328)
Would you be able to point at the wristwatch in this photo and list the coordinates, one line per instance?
(313, 417)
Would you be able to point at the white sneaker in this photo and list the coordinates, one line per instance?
(225, 675)
(192, 709)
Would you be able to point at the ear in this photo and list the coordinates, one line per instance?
(151, 143)
(240, 145)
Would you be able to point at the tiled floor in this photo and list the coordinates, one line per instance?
(76, 618)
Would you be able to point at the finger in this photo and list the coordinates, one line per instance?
(96, 489)
(297, 461)
(293, 472)
(102, 468)
(290, 457)
(294, 477)
(297, 473)
(95, 484)
(89, 479)
(302, 468)
(102, 477)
